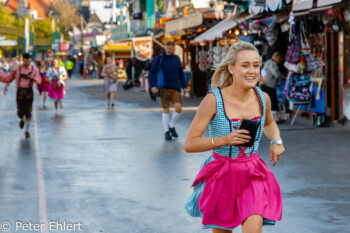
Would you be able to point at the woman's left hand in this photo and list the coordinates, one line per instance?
(276, 152)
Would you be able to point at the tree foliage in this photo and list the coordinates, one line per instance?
(43, 28)
(7, 19)
(68, 13)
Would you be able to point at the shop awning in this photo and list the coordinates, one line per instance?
(118, 48)
(326, 2)
(190, 21)
(299, 5)
(217, 31)
(321, 6)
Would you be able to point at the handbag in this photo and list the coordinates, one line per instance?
(308, 62)
(293, 52)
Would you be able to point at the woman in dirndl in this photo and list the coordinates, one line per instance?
(56, 75)
(43, 88)
(234, 186)
(110, 74)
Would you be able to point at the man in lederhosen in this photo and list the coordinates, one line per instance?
(25, 75)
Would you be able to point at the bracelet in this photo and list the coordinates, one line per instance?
(212, 142)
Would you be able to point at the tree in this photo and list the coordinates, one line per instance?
(68, 14)
(42, 28)
(9, 20)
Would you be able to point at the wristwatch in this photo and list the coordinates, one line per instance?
(278, 142)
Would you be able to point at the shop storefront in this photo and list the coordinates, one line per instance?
(326, 32)
(119, 51)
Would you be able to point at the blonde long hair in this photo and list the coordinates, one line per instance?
(222, 77)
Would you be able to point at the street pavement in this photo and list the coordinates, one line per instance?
(110, 170)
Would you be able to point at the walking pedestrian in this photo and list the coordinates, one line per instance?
(25, 75)
(43, 88)
(271, 77)
(130, 71)
(234, 186)
(57, 74)
(94, 69)
(170, 85)
(69, 67)
(110, 74)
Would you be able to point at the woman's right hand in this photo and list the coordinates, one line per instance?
(238, 137)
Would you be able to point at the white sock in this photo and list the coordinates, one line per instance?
(27, 125)
(165, 120)
(174, 119)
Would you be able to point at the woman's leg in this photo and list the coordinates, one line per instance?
(108, 98)
(253, 224)
(44, 98)
(112, 97)
(215, 230)
(56, 106)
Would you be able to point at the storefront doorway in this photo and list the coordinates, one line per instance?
(332, 75)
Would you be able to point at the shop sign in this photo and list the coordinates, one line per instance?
(54, 47)
(8, 42)
(101, 40)
(142, 47)
(65, 46)
(120, 32)
(42, 41)
(326, 2)
(299, 5)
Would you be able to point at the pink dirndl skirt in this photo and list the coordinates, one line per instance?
(57, 94)
(236, 189)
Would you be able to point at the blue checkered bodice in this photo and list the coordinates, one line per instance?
(221, 125)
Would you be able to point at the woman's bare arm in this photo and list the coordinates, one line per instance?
(272, 132)
(196, 143)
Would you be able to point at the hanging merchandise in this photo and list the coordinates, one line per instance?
(299, 88)
(308, 62)
(211, 53)
(293, 52)
(203, 60)
(299, 58)
(318, 77)
(254, 9)
(273, 5)
(217, 54)
(266, 25)
(225, 49)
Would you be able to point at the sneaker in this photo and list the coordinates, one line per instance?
(21, 124)
(173, 132)
(168, 136)
(27, 134)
